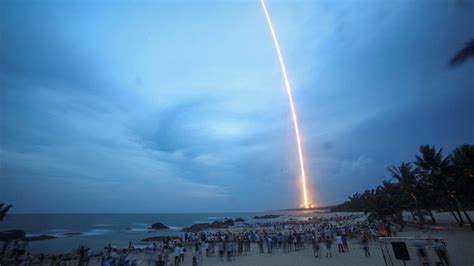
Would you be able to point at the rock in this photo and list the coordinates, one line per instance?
(158, 238)
(218, 224)
(229, 222)
(12, 235)
(214, 225)
(268, 216)
(159, 226)
(239, 220)
(41, 237)
(197, 227)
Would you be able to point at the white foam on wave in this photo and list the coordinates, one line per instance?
(96, 232)
(139, 229)
(175, 227)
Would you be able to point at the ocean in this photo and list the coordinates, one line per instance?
(98, 230)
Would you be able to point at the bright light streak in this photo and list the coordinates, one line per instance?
(292, 105)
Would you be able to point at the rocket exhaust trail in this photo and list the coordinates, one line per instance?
(292, 105)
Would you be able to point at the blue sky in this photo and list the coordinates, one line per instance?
(145, 106)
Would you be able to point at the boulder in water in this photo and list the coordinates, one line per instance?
(229, 222)
(197, 227)
(218, 224)
(159, 226)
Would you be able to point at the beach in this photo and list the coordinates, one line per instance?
(457, 242)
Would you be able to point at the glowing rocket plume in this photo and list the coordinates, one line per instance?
(292, 106)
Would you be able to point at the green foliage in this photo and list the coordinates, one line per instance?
(431, 182)
(3, 210)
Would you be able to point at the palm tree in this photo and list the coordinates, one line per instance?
(436, 171)
(463, 55)
(3, 210)
(463, 163)
(407, 179)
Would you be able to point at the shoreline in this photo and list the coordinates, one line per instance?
(446, 230)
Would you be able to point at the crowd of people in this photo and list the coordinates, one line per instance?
(270, 237)
(321, 234)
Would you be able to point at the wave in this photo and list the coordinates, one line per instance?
(139, 229)
(175, 227)
(96, 232)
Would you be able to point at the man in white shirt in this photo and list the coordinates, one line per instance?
(177, 254)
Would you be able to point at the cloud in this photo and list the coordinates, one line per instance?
(169, 110)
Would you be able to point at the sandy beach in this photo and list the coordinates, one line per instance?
(458, 241)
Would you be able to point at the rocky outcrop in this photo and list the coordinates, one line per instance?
(12, 235)
(229, 222)
(159, 226)
(197, 227)
(239, 220)
(267, 216)
(214, 225)
(218, 225)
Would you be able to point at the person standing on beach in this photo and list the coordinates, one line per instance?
(247, 244)
(269, 245)
(340, 245)
(195, 262)
(315, 244)
(123, 258)
(228, 248)
(260, 244)
(177, 255)
(82, 254)
(344, 242)
(105, 260)
(328, 243)
(365, 244)
(182, 252)
(440, 250)
(240, 244)
(88, 257)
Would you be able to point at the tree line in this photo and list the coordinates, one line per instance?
(432, 182)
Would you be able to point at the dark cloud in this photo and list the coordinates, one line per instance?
(157, 101)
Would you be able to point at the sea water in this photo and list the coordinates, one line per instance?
(98, 230)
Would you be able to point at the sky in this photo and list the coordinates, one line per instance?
(180, 106)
